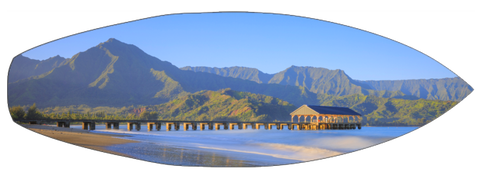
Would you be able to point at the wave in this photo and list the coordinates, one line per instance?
(346, 143)
(292, 152)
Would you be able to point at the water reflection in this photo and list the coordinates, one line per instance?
(179, 156)
(247, 147)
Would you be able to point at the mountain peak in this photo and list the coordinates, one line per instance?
(304, 67)
(294, 66)
(112, 40)
(55, 57)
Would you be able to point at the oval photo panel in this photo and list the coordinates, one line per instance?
(228, 89)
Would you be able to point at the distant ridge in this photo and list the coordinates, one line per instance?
(245, 73)
(337, 82)
(23, 67)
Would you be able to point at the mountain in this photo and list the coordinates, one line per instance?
(225, 104)
(23, 67)
(118, 74)
(432, 89)
(319, 80)
(338, 83)
(111, 73)
(316, 80)
(245, 73)
(391, 111)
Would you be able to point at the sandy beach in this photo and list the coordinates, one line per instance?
(164, 154)
(82, 138)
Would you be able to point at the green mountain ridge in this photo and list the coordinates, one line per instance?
(245, 73)
(225, 104)
(103, 75)
(454, 89)
(391, 111)
(23, 67)
(118, 74)
(337, 82)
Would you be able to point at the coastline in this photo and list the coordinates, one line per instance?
(162, 154)
(82, 138)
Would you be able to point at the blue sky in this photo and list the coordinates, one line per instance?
(269, 42)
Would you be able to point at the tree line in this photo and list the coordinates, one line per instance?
(152, 113)
(18, 113)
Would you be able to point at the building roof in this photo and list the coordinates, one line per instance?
(331, 110)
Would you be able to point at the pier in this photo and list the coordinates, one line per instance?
(171, 125)
(326, 118)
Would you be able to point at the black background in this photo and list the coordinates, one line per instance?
(440, 148)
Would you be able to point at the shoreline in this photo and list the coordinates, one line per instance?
(162, 154)
(82, 138)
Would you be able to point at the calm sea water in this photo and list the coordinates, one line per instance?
(247, 147)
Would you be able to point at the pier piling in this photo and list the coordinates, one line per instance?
(314, 125)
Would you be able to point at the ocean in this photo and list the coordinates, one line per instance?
(246, 147)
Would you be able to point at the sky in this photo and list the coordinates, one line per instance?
(268, 42)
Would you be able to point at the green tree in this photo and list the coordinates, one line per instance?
(50, 116)
(17, 112)
(144, 115)
(32, 113)
(153, 115)
(73, 116)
